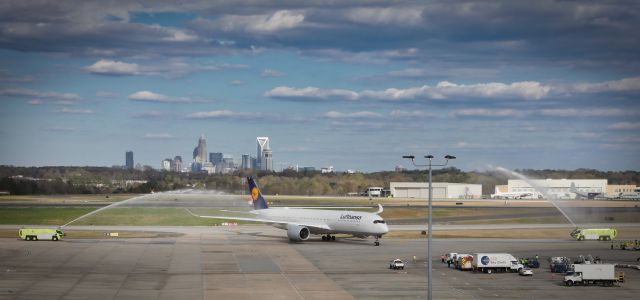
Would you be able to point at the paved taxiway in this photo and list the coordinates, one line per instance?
(257, 262)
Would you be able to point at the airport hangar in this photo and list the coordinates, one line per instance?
(561, 188)
(441, 190)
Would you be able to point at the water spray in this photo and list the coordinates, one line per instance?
(538, 188)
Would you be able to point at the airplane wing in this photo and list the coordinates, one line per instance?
(268, 221)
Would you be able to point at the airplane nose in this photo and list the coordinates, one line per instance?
(385, 228)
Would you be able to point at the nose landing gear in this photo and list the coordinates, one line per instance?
(377, 242)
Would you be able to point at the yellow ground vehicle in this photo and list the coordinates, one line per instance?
(582, 234)
(34, 234)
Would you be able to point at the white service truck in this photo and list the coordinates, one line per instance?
(587, 274)
(495, 262)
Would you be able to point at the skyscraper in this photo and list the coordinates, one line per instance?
(129, 159)
(177, 164)
(246, 162)
(264, 158)
(200, 152)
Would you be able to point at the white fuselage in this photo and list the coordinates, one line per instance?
(357, 223)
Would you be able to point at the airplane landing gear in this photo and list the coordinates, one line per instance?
(328, 237)
(377, 242)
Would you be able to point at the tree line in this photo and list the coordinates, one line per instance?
(104, 180)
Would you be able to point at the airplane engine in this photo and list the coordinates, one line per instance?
(298, 233)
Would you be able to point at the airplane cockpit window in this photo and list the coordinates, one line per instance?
(378, 221)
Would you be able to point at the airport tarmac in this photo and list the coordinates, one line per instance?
(257, 262)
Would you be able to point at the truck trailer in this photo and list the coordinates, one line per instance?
(464, 262)
(495, 262)
(588, 274)
(593, 234)
(34, 234)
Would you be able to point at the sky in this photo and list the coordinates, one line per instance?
(352, 84)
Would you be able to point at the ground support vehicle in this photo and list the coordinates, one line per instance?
(559, 264)
(396, 264)
(592, 274)
(34, 234)
(582, 234)
(495, 262)
(526, 272)
(464, 262)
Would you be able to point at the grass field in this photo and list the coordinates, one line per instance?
(550, 233)
(96, 234)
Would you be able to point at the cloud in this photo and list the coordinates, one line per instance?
(60, 129)
(35, 102)
(622, 85)
(489, 113)
(625, 126)
(399, 16)
(151, 115)
(352, 115)
(236, 82)
(588, 112)
(148, 96)
(158, 136)
(111, 67)
(105, 94)
(26, 93)
(528, 90)
(410, 114)
(67, 110)
(271, 73)
(224, 114)
(310, 94)
(265, 23)
(169, 69)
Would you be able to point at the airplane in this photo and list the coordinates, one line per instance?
(583, 195)
(301, 223)
(511, 195)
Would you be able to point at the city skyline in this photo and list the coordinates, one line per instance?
(354, 85)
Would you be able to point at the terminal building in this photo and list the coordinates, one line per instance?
(556, 188)
(441, 190)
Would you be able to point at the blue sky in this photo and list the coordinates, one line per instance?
(353, 84)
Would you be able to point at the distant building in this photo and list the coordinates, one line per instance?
(208, 167)
(166, 164)
(400, 168)
(227, 165)
(306, 169)
(177, 164)
(200, 151)
(441, 190)
(264, 158)
(215, 157)
(326, 170)
(129, 159)
(246, 162)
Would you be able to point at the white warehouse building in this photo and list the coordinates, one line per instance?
(441, 190)
(557, 188)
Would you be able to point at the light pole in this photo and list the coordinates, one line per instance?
(429, 260)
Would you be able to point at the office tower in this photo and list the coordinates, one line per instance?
(177, 164)
(129, 159)
(215, 158)
(200, 152)
(264, 159)
(246, 162)
(166, 164)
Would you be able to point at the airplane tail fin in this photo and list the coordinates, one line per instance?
(573, 188)
(256, 195)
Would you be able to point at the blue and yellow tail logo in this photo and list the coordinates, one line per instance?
(256, 196)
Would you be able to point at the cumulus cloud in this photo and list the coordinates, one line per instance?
(148, 96)
(265, 23)
(112, 67)
(352, 115)
(399, 16)
(528, 90)
(169, 69)
(310, 94)
(481, 112)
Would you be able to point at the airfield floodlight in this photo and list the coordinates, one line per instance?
(430, 226)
